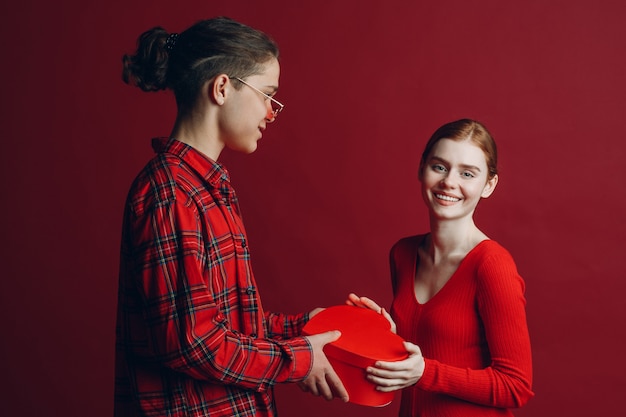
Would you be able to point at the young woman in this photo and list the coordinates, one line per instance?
(192, 336)
(458, 298)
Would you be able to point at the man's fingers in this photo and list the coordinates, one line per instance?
(337, 386)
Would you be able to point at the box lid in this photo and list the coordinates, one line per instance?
(365, 335)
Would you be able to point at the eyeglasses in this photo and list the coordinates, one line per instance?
(277, 106)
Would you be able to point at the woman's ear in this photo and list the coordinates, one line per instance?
(490, 186)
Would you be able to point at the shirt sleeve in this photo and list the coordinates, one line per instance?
(507, 381)
(284, 326)
(185, 329)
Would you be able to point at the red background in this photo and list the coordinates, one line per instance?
(333, 183)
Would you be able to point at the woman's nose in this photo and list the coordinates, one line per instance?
(448, 180)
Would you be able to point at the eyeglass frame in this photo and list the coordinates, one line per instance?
(267, 96)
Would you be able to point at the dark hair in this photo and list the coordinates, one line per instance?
(185, 63)
(465, 129)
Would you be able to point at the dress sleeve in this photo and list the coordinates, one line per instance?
(185, 330)
(506, 381)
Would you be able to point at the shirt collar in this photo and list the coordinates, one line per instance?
(212, 171)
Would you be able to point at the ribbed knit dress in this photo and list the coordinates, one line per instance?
(472, 334)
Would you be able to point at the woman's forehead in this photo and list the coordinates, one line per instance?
(460, 152)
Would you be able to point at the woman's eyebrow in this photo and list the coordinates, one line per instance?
(464, 166)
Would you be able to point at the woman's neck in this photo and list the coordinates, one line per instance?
(453, 238)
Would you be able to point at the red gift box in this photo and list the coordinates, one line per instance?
(366, 337)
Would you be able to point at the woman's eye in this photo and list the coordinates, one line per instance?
(439, 168)
(468, 174)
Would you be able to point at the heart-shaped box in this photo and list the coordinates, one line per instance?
(366, 337)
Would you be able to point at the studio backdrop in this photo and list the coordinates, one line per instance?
(333, 183)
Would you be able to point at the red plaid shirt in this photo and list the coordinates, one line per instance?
(192, 336)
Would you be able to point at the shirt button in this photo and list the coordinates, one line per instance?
(250, 290)
(253, 335)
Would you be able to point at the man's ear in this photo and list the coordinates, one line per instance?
(490, 186)
(217, 89)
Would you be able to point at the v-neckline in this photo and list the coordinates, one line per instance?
(447, 284)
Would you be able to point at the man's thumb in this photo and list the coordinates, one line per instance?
(331, 336)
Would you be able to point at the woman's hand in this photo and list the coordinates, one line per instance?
(364, 302)
(313, 312)
(392, 376)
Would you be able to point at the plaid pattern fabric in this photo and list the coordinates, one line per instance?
(192, 336)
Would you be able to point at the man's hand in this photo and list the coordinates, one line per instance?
(322, 379)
